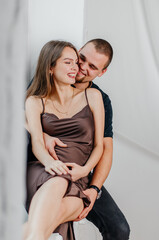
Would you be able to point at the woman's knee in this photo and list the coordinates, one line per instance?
(34, 237)
(54, 184)
(70, 208)
(33, 234)
(57, 180)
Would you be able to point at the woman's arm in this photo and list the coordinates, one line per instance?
(33, 118)
(97, 108)
(96, 105)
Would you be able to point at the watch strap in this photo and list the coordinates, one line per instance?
(95, 187)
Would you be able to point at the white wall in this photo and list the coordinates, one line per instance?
(53, 20)
(13, 53)
(132, 80)
(133, 183)
(132, 84)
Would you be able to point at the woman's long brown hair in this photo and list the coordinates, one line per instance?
(43, 81)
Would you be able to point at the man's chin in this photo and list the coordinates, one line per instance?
(79, 80)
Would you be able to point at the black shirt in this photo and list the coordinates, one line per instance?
(108, 129)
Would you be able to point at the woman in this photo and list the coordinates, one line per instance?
(55, 187)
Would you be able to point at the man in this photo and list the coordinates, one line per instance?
(95, 56)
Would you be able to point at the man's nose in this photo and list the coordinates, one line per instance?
(83, 65)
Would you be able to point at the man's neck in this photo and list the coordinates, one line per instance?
(82, 86)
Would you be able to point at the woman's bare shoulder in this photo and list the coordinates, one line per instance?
(33, 102)
(93, 93)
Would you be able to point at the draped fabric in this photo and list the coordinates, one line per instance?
(13, 51)
(132, 79)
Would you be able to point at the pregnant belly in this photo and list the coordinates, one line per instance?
(74, 152)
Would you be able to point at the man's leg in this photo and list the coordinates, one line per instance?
(108, 218)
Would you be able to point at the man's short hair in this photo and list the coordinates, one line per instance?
(103, 47)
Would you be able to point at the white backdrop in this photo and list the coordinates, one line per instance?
(53, 20)
(133, 83)
(13, 62)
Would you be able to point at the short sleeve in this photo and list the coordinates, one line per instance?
(108, 128)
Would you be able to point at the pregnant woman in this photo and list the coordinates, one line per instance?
(55, 186)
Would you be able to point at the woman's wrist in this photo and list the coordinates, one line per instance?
(86, 170)
(48, 160)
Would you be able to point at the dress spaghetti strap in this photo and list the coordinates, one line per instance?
(86, 96)
(43, 105)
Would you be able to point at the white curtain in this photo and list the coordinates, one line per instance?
(132, 80)
(13, 53)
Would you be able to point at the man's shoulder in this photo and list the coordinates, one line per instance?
(108, 130)
(105, 96)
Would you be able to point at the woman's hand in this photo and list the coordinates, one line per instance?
(56, 166)
(77, 171)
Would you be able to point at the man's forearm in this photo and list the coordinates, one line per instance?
(103, 167)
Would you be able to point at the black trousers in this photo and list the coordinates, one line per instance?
(108, 218)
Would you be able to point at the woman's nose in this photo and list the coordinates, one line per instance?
(75, 67)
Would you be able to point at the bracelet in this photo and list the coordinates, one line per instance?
(95, 187)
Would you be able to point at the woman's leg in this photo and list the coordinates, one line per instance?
(70, 209)
(45, 207)
(48, 211)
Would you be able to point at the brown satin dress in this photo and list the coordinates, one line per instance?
(78, 133)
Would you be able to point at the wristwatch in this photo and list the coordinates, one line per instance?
(99, 191)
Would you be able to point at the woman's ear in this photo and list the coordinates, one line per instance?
(51, 71)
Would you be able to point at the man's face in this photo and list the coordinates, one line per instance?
(91, 64)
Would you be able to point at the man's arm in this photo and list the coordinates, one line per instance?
(50, 143)
(100, 174)
(103, 167)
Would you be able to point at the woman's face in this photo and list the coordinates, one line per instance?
(66, 67)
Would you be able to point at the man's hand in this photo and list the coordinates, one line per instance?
(50, 143)
(92, 194)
